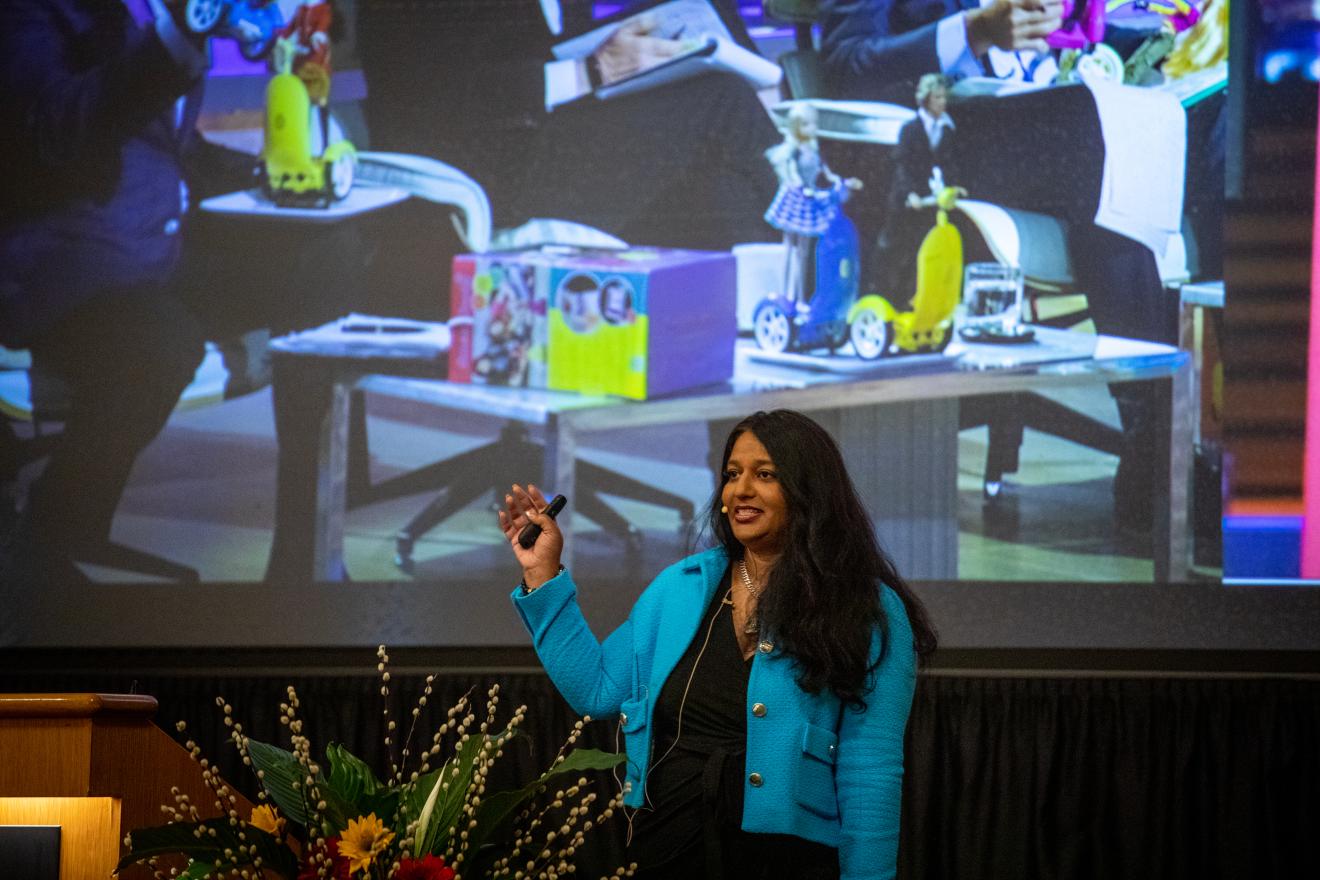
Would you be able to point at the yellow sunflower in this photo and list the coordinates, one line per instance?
(265, 818)
(363, 840)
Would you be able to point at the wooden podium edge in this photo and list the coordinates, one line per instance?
(76, 705)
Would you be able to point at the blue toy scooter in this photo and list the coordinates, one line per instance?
(877, 329)
(253, 23)
(782, 322)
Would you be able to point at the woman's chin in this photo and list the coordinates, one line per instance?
(757, 539)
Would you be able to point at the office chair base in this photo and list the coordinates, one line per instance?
(1008, 416)
(124, 558)
(467, 476)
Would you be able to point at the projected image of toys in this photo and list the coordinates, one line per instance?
(965, 269)
(820, 304)
(252, 23)
(301, 164)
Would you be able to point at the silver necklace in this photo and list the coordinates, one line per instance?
(752, 626)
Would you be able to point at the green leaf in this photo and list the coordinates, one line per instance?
(174, 838)
(350, 777)
(199, 870)
(416, 795)
(430, 784)
(494, 814)
(282, 777)
(180, 838)
(356, 788)
(449, 802)
(281, 772)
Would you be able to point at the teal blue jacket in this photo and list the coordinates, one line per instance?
(815, 768)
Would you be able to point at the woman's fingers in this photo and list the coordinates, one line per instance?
(521, 506)
(506, 522)
(518, 504)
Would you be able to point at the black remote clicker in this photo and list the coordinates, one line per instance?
(527, 537)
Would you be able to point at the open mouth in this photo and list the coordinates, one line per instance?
(743, 514)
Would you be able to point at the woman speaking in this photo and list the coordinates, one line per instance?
(762, 686)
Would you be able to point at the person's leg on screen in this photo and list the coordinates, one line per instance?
(1127, 298)
(123, 361)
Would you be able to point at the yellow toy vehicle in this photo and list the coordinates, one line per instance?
(291, 175)
(877, 329)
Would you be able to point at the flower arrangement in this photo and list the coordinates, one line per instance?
(336, 820)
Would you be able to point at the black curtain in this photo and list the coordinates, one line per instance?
(1022, 777)
(1112, 777)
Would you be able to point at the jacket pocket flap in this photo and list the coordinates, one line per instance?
(633, 715)
(820, 743)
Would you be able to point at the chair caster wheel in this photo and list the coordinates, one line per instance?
(403, 558)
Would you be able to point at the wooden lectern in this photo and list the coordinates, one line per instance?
(98, 767)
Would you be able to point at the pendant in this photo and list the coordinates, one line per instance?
(751, 627)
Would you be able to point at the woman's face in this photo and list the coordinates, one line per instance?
(757, 510)
(803, 128)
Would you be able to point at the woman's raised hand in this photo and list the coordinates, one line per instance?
(540, 562)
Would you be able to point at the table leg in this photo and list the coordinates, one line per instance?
(332, 489)
(903, 459)
(559, 474)
(1171, 546)
(311, 409)
(1190, 340)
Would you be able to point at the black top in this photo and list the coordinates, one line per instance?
(691, 824)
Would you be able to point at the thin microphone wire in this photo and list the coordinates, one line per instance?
(678, 727)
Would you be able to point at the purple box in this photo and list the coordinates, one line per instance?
(642, 322)
(636, 323)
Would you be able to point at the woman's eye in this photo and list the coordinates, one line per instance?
(766, 475)
(730, 475)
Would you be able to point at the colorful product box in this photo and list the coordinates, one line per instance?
(636, 323)
(505, 298)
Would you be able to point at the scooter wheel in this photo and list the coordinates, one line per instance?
(871, 335)
(772, 328)
(203, 16)
(339, 176)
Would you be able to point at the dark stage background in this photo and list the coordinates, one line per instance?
(1063, 731)
(1020, 764)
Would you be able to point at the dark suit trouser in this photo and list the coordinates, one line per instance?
(1044, 151)
(124, 357)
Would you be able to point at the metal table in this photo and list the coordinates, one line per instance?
(896, 422)
(1193, 301)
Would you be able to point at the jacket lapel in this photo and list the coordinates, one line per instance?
(682, 615)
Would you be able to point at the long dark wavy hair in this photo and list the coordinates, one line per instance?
(821, 603)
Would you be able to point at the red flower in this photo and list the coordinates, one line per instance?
(427, 868)
(339, 864)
